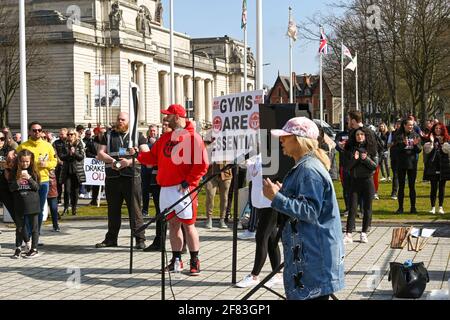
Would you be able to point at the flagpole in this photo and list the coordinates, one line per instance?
(245, 58)
(320, 77)
(342, 86)
(23, 72)
(259, 45)
(356, 78)
(172, 75)
(291, 80)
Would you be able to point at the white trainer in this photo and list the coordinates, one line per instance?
(433, 210)
(348, 238)
(274, 281)
(441, 210)
(248, 281)
(363, 237)
(246, 235)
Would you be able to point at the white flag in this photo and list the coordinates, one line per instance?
(346, 51)
(352, 65)
(292, 29)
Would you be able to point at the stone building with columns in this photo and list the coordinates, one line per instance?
(95, 47)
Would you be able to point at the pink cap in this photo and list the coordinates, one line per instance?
(300, 127)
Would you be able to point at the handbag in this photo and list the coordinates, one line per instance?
(408, 281)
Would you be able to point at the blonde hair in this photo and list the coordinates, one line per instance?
(75, 134)
(310, 145)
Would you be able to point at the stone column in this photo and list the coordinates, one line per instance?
(187, 88)
(201, 85)
(208, 100)
(141, 84)
(164, 85)
(198, 99)
(179, 91)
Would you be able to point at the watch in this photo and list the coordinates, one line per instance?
(117, 164)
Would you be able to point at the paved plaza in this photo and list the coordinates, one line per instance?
(104, 273)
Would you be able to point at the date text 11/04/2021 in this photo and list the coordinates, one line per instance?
(225, 309)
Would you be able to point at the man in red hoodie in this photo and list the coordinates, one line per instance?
(182, 161)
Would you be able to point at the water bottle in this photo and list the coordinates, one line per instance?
(408, 263)
(176, 269)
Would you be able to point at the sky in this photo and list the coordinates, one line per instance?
(212, 18)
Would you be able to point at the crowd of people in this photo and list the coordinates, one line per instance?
(49, 169)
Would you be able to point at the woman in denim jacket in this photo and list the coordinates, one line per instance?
(312, 235)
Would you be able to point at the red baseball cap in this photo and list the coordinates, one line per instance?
(175, 109)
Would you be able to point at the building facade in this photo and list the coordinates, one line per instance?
(96, 47)
(307, 90)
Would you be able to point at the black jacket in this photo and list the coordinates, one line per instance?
(359, 168)
(73, 164)
(3, 155)
(91, 149)
(407, 155)
(437, 161)
(25, 195)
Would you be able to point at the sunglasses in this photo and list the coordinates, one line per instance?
(2, 138)
(71, 134)
(37, 130)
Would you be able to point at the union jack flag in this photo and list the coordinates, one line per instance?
(323, 48)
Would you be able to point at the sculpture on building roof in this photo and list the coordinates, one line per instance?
(143, 21)
(236, 54)
(159, 13)
(115, 17)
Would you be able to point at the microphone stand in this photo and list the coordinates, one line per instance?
(163, 217)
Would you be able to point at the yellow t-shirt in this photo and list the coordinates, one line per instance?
(41, 150)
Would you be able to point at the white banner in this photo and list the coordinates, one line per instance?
(236, 133)
(236, 125)
(107, 90)
(95, 172)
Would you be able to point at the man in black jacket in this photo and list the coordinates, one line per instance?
(119, 179)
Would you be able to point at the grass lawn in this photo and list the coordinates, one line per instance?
(383, 209)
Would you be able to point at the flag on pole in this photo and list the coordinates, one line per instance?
(244, 14)
(352, 65)
(346, 51)
(292, 29)
(323, 48)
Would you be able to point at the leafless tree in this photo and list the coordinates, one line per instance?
(9, 58)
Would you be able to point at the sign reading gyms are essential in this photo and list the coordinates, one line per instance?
(235, 125)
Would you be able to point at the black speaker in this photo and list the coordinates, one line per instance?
(275, 116)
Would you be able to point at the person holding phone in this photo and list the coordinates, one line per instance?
(24, 184)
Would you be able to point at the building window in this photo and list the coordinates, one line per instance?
(87, 94)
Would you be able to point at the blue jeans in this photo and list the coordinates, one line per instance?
(53, 208)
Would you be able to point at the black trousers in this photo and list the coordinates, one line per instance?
(22, 232)
(434, 190)
(412, 174)
(266, 240)
(95, 191)
(71, 191)
(394, 163)
(6, 198)
(361, 189)
(117, 190)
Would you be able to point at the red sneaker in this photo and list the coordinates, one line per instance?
(171, 266)
(195, 267)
